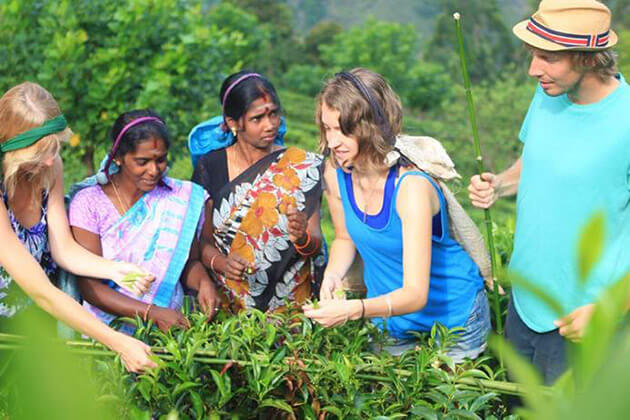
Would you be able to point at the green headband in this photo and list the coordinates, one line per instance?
(33, 135)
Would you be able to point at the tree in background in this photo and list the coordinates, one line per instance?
(390, 49)
(307, 13)
(490, 45)
(323, 33)
(387, 48)
(623, 52)
(620, 12)
(102, 58)
(307, 77)
(283, 47)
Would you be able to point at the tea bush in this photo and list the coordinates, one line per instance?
(281, 365)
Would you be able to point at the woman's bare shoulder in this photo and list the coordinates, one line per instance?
(330, 178)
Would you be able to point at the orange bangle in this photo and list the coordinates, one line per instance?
(301, 250)
(307, 243)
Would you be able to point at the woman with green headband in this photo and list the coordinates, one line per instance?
(34, 229)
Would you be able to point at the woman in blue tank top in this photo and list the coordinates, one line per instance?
(395, 216)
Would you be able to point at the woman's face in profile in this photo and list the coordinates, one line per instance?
(343, 148)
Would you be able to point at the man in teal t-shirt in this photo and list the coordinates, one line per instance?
(575, 164)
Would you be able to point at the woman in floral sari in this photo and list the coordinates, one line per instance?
(141, 216)
(264, 245)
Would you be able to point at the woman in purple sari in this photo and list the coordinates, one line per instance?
(140, 215)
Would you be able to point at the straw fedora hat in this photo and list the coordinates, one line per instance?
(557, 25)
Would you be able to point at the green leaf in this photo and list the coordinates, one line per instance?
(333, 410)
(424, 412)
(279, 355)
(482, 401)
(279, 404)
(591, 245)
(218, 380)
(197, 403)
(184, 387)
(145, 390)
(271, 335)
(139, 414)
(601, 333)
(524, 372)
(463, 414)
(539, 292)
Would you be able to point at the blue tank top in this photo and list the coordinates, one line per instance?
(380, 219)
(454, 279)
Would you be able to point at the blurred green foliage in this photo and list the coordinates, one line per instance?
(595, 384)
(306, 78)
(41, 379)
(102, 58)
(390, 49)
(490, 45)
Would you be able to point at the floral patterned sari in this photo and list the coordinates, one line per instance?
(250, 220)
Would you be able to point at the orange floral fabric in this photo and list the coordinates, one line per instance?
(250, 220)
(262, 214)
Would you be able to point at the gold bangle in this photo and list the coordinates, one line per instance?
(389, 305)
(146, 312)
(212, 262)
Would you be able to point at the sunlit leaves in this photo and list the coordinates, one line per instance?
(272, 365)
(590, 245)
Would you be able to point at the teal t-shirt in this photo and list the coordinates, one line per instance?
(575, 162)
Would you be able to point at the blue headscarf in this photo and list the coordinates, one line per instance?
(209, 136)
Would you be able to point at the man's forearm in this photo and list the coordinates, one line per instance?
(509, 180)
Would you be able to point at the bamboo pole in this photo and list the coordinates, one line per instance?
(480, 170)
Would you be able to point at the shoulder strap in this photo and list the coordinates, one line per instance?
(443, 207)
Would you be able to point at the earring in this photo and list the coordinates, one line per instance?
(233, 129)
(117, 162)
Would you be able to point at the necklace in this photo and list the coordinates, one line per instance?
(368, 198)
(124, 207)
(235, 158)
